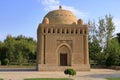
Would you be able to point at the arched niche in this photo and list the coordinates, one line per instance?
(64, 55)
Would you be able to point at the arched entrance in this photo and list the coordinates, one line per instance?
(64, 56)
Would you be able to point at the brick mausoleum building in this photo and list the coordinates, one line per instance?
(62, 42)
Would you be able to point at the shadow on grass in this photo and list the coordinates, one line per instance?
(113, 78)
(48, 79)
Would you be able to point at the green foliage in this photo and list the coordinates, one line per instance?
(94, 49)
(18, 49)
(101, 58)
(109, 27)
(105, 30)
(0, 62)
(113, 60)
(113, 50)
(104, 48)
(118, 37)
(20, 58)
(101, 32)
(70, 72)
(6, 61)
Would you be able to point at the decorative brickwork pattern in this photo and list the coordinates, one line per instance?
(62, 42)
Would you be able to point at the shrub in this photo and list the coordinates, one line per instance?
(70, 72)
(112, 60)
(0, 62)
(6, 61)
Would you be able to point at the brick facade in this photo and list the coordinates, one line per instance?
(62, 42)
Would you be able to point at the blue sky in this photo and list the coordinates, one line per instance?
(23, 16)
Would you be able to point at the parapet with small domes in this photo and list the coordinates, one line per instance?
(45, 21)
(80, 22)
(61, 16)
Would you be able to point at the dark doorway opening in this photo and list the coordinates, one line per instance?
(63, 59)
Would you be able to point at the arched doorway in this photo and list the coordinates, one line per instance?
(64, 56)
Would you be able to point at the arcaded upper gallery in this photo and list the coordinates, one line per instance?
(62, 42)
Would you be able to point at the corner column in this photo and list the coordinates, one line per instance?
(40, 48)
(86, 54)
(86, 57)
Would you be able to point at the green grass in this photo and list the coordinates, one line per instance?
(47, 79)
(1, 79)
(113, 78)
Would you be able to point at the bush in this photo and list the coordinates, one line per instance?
(70, 72)
(5, 61)
(112, 60)
(0, 62)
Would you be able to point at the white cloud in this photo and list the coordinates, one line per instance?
(117, 25)
(54, 4)
(77, 12)
(51, 4)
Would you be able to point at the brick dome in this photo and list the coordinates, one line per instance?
(61, 16)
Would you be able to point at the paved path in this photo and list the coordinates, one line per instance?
(94, 74)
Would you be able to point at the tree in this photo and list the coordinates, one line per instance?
(94, 45)
(118, 37)
(20, 59)
(92, 30)
(18, 49)
(3, 53)
(94, 49)
(114, 53)
(113, 60)
(105, 30)
(100, 35)
(9, 43)
(0, 50)
(101, 32)
(109, 28)
(25, 46)
(5, 61)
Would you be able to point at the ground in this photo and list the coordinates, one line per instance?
(94, 74)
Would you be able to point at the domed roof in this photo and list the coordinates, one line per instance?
(61, 17)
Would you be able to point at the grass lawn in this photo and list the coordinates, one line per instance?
(113, 78)
(1, 79)
(47, 79)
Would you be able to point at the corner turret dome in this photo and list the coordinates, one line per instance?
(61, 16)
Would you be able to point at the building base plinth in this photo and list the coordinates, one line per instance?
(82, 67)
